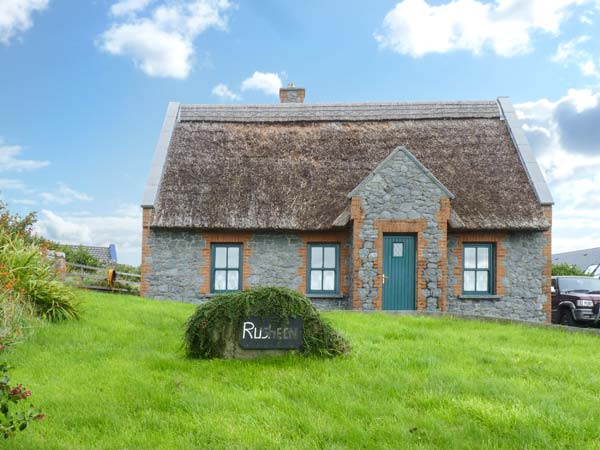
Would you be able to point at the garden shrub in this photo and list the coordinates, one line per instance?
(29, 287)
(12, 417)
(27, 278)
(211, 324)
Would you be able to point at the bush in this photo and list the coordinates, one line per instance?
(26, 278)
(566, 269)
(210, 326)
(12, 421)
(80, 256)
(126, 268)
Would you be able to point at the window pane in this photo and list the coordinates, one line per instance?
(233, 257)
(220, 257)
(220, 280)
(470, 257)
(329, 257)
(469, 281)
(316, 258)
(398, 249)
(329, 280)
(316, 280)
(233, 280)
(483, 257)
(482, 281)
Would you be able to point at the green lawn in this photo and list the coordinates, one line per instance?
(118, 379)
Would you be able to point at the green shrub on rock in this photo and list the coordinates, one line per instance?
(210, 327)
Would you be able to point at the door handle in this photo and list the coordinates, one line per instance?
(384, 277)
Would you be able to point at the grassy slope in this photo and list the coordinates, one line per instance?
(118, 380)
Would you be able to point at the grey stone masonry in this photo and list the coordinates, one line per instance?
(175, 261)
(275, 260)
(524, 263)
(175, 265)
(400, 188)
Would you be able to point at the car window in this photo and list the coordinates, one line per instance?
(591, 269)
(580, 284)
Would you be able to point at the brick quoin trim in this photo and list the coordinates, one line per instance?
(442, 217)
(404, 226)
(211, 237)
(481, 237)
(146, 219)
(547, 273)
(400, 226)
(322, 237)
(357, 213)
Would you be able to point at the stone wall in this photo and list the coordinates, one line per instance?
(177, 263)
(401, 196)
(520, 285)
(173, 265)
(275, 260)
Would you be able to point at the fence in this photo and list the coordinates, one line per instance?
(102, 279)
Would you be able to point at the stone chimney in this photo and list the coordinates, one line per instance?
(291, 94)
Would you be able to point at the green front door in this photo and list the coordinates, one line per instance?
(398, 272)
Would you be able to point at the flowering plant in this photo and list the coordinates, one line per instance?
(12, 420)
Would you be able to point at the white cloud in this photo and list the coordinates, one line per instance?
(11, 184)
(570, 160)
(64, 195)
(23, 201)
(161, 43)
(268, 83)
(122, 228)
(126, 7)
(415, 28)
(221, 90)
(569, 52)
(15, 17)
(9, 160)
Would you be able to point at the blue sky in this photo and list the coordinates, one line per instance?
(84, 86)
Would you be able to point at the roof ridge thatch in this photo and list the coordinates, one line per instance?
(342, 112)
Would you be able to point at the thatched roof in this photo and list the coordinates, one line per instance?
(290, 166)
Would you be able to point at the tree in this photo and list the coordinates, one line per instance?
(566, 269)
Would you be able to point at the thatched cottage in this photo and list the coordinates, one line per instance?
(427, 206)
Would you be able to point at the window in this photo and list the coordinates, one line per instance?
(594, 269)
(398, 249)
(478, 269)
(323, 268)
(226, 267)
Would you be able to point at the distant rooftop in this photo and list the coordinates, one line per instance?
(580, 258)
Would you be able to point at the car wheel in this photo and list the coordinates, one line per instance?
(566, 318)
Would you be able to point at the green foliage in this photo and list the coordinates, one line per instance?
(28, 279)
(13, 418)
(14, 224)
(128, 269)
(80, 255)
(210, 326)
(566, 269)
